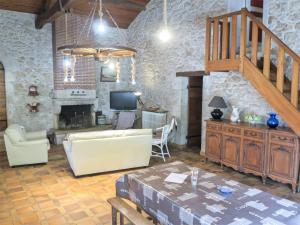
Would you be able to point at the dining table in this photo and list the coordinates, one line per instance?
(203, 204)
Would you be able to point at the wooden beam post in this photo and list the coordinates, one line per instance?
(54, 12)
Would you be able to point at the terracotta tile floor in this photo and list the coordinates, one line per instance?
(50, 195)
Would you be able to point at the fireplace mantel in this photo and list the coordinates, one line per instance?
(58, 102)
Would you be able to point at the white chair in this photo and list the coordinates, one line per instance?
(125, 120)
(25, 148)
(161, 138)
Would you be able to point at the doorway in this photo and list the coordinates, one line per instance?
(194, 108)
(3, 117)
(195, 86)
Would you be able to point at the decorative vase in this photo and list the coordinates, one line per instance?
(216, 114)
(235, 115)
(273, 121)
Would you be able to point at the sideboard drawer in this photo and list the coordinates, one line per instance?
(260, 135)
(282, 138)
(232, 130)
(214, 126)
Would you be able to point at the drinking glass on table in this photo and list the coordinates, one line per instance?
(194, 176)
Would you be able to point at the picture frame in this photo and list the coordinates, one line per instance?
(107, 74)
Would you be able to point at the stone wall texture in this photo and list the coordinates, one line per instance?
(26, 54)
(283, 19)
(158, 63)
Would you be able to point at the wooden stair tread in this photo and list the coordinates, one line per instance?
(127, 211)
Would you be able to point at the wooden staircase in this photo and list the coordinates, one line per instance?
(275, 75)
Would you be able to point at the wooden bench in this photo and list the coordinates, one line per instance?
(125, 210)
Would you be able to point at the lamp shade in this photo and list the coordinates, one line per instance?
(217, 102)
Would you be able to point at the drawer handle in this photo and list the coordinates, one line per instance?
(253, 144)
(282, 138)
(281, 148)
(231, 129)
(253, 134)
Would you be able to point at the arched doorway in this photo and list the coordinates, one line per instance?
(3, 117)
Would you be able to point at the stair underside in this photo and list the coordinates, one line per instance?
(267, 88)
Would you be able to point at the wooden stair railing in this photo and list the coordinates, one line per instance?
(228, 49)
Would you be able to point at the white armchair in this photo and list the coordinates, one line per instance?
(25, 148)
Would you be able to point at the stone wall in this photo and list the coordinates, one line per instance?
(158, 63)
(283, 19)
(26, 54)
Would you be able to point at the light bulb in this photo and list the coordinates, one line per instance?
(165, 35)
(133, 82)
(67, 63)
(100, 26)
(72, 79)
(111, 66)
(118, 80)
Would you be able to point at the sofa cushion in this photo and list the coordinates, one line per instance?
(108, 134)
(16, 133)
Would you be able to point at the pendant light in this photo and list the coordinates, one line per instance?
(133, 71)
(165, 34)
(101, 27)
(81, 48)
(68, 60)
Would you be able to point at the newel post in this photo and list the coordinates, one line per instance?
(243, 37)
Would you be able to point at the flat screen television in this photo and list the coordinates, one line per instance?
(123, 100)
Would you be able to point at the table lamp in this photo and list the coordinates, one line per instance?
(217, 102)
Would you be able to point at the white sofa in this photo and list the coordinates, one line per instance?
(25, 148)
(103, 151)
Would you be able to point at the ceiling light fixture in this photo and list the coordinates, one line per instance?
(133, 71)
(165, 34)
(108, 55)
(69, 61)
(101, 27)
(118, 71)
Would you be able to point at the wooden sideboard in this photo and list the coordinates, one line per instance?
(255, 149)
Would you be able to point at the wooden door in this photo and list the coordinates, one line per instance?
(195, 111)
(3, 117)
(231, 151)
(213, 146)
(253, 155)
(281, 160)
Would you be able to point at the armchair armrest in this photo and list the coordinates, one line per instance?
(32, 143)
(159, 129)
(36, 135)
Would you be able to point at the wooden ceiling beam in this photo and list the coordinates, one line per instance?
(55, 10)
(127, 4)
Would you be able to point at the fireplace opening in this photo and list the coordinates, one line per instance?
(75, 116)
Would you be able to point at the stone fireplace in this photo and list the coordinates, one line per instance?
(74, 109)
(75, 116)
